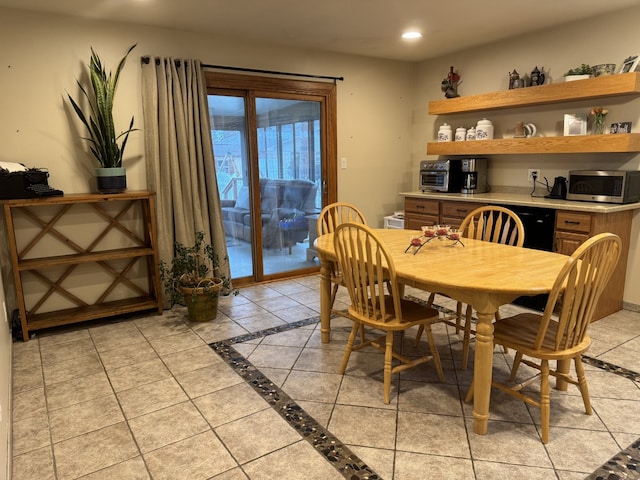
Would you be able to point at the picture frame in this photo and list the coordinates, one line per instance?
(620, 127)
(630, 64)
(575, 124)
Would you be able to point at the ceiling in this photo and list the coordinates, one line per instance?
(362, 27)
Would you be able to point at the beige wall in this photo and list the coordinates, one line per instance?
(382, 121)
(607, 39)
(43, 55)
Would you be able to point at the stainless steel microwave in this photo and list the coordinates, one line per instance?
(608, 186)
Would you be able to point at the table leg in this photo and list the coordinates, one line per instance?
(482, 371)
(325, 302)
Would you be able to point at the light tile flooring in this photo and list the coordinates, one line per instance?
(149, 398)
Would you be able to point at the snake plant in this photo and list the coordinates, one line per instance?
(103, 141)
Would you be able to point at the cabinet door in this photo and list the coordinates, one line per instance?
(567, 242)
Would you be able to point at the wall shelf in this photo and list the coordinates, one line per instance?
(598, 87)
(615, 143)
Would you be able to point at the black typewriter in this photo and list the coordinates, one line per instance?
(16, 181)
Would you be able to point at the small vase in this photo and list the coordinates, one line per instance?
(597, 127)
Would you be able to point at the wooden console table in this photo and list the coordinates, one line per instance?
(65, 249)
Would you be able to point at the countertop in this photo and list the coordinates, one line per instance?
(525, 199)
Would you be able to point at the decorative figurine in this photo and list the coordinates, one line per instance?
(514, 80)
(537, 77)
(450, 84)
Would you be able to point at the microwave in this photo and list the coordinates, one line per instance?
(608, 186)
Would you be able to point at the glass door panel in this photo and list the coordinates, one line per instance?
(268, 154)
(228, 134)
(289, 181)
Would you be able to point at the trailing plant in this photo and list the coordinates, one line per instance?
(195, 266)
(103, 141)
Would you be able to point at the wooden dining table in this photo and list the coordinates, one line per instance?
(483, 274)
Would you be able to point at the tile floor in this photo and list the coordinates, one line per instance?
(256, 395)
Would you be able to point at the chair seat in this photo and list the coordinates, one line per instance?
(520, 331)
(412, 314)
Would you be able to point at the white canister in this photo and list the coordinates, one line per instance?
(445, 134)
(471, 134)
(461, 134)
(484, 130)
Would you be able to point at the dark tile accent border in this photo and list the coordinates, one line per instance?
(623, 466)
(325, 443)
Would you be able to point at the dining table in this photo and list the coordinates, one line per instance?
(483, 274)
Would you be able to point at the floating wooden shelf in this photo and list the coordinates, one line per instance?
(622, 142)
(598, 87)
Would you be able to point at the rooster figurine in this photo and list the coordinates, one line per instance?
(450, 84)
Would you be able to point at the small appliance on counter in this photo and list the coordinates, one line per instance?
(440, 176)
(474, 175)
(607, 186)
(559, 189)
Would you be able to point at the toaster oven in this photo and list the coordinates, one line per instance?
(440, 176)
(608, 186)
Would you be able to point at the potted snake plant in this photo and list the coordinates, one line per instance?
(193, 279)
(106, 146)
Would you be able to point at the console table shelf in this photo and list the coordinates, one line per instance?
(51, 240)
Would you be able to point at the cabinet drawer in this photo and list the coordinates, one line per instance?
(573, 221)
(458, 209)
(421, 206)
(413, 221)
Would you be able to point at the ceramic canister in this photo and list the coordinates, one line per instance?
(444, 133)
(461, 134)
(471, 134)
(484, 130)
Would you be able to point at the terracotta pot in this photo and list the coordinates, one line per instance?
(202, 301)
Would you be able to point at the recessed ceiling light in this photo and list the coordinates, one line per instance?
(411, 35)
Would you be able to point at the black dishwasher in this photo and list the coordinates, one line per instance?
(538, 233)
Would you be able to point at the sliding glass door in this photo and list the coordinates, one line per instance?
(270, 150)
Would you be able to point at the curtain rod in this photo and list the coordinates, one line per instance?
(272, 72)
(147, 59)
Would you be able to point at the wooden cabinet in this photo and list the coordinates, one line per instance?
(424, 211)
(573, 228)
(600, 87)
(419, 212)
(82, 257)
(452, 213)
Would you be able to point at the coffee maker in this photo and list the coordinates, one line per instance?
(474, 175)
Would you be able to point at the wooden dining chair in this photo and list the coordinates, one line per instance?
(563, 335)
(366, 266)
(330, 217)
(491, 224)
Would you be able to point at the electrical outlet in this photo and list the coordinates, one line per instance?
(532, 172)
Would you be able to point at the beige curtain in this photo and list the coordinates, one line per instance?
(179, 155)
